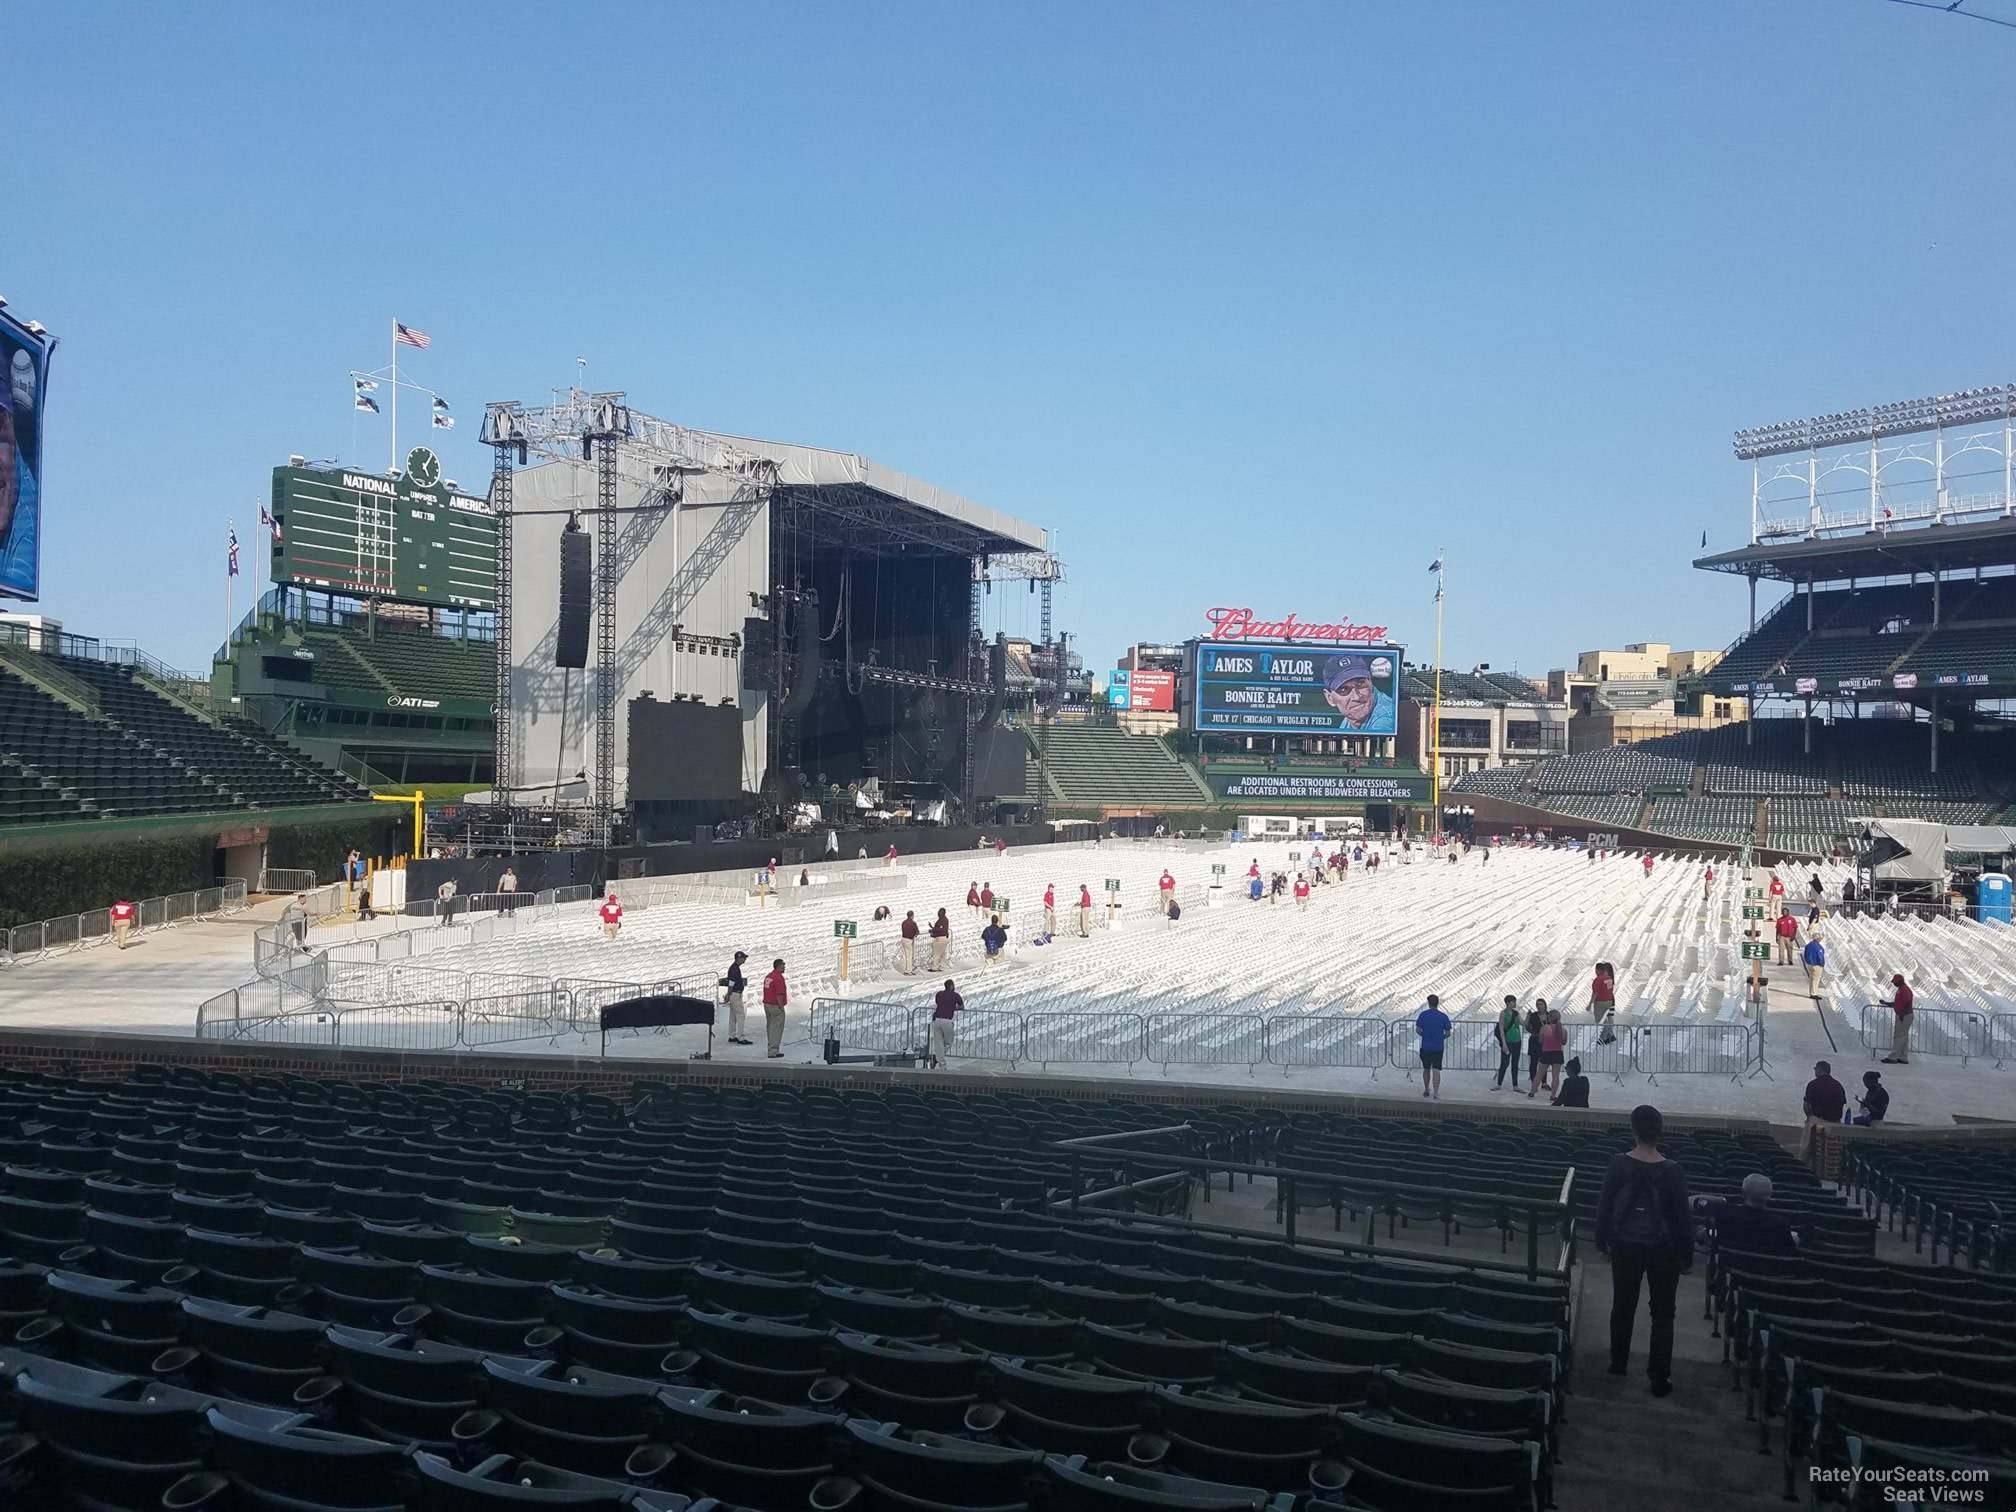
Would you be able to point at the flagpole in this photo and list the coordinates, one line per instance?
(392, 460)
(230, 615)
(1435, 717)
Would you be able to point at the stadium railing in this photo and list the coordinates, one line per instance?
(67, 932)
(291, 1013)
(285, 879)
(1965, 1032)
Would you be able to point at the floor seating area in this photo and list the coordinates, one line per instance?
(232, 1292)
(1869, 1368)
(1098, 764)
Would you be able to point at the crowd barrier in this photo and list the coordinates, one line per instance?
(285, 879)
(1731, 1049)
(1965, 1032)
(80, 931)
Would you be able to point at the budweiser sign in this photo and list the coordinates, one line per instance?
(1240, 624)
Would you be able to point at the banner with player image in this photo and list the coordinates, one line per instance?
(24, 387)
(1248, 689)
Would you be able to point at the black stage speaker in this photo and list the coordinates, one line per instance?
(684, 751)
(577, 598)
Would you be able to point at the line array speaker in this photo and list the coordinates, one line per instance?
(577, 597)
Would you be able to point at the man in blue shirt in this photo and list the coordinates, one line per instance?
(1351, 687)
(1432, 1024)
(1815, 957)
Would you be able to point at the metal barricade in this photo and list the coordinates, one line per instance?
(285, 879)
(234, 895)
(208, 902)
(586, 997)
(502, 1018)
(24, 941)
(178, 907)
(1934, 1031)
(985, 1034)
(1204, 1039)
(94, 926)
(1472, 1045)
(1358, 1040)
(880, 1028)
(1722, 1049)
(1085, 1038)
(397, 1026)
(61, 933)
(1599, 1057)
(1999, 1039)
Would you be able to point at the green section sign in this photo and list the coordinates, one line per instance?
(1752, 911)
(1756, 950)
(846, 929)
(1113, 884)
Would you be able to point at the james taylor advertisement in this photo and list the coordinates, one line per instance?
(24, 375)
(1296, 690)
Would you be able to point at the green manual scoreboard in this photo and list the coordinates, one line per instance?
(411, 538)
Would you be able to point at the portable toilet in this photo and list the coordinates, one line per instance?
(1992, 897)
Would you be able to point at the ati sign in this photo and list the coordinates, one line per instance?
(1244, 624)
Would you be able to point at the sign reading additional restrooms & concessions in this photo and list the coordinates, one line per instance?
(24, 392)
(1256, 689)
(409, 538)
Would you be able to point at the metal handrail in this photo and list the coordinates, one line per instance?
(67, 932)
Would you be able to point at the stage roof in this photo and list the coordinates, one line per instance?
(882, 500)
(1873, 554)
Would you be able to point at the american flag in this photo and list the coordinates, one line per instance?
(269, 522)
(405, 335)
(234, 551)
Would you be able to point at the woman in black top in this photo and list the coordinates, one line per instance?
(1574, 1091)
(1644, 1226)
(1535, 1017)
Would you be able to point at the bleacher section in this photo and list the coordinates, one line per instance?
(1663, 764)
(1761, 757)
(137, 753)
(1620, 809)
(1095, 764)
(413, 665)
(1730, 820)
(1880, 631)
(1889, 759)
(1418, 683)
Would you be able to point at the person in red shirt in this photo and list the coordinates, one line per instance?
(1903, 1005)
(1167, 889)
(1707, 881)
(987, 898)
(1000, 846)
(941, 940)
(943, 1006)
(776, 995)
(123, 914)
(973, 896)
(612, 917)
(1301, 891)
(1647, 863)
(1084, 912)
(890, 858)
(908, 929)
(1777, 885)
(1787, 930)
(1049, 908)
(1253, 870)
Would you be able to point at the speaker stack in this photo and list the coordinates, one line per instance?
(577, 597)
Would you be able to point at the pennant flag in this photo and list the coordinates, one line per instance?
(443, 422)
(361, 389)
(405, 335)
(1436, 565)
(440, 403)
(365, 385)
(269, 522)
(366, 402)
(1704, 538)
(233, 556)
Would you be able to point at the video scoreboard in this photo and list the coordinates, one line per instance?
(409, 538)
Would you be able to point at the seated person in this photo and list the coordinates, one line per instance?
(1574, 1091)
(1749, 1224)
(1874, 1101)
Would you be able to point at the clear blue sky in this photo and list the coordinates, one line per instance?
(1254, 304)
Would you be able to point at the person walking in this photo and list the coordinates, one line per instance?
(909, 931)
(943, 1006)
(973, 899)
(1603, 1002)
(1814, 891)
(1049, 909)
(1166, 887)
(123, 914)
(776, 998)
(1787, 930)
(1084, 912)
(1646, 862)
(994, 939)
(1553, 1039)
(1777, 888)
(1707, 882)
(612, 917)
(889, 859)
(1815, 959)
(1507, 1034)
(1902, 1006)
(1822, 1104)
(1574, 1091)
(1432, 1025)
(1643, 1225)
(941, 940)
(732, 987)
(987, 898)
(1536, 1019)
(1301, 891)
